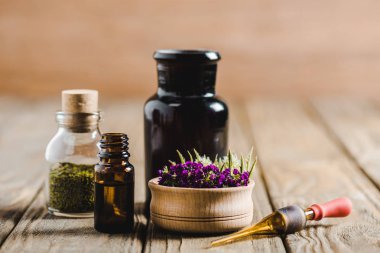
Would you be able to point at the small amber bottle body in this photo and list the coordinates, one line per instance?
(114, 186)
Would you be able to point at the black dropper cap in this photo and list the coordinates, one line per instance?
(187, 72)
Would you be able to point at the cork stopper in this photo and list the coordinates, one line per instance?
(80, 101)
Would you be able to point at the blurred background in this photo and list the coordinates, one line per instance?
(269, 48)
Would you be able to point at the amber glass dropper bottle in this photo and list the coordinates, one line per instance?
(114, 186)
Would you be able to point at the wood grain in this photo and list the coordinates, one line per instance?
(356, 123)
(274, 47)
(305, 156)
(163, 241)
(39, 231)
(303, 165)
(24, 131)
(207, 211)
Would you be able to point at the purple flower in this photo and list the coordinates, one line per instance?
(184, 173)
(196, 175)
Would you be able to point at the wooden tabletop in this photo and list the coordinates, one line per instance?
(309, 151)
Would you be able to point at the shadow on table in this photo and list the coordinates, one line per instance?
(38, 222)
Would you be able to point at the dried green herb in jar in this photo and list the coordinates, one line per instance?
(71, 187)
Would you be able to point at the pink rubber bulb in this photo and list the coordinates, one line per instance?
(340, 207)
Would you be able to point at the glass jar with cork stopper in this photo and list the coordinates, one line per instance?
(72, 155)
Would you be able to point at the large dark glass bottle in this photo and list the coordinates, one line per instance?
(185, 113)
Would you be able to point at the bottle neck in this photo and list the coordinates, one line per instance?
(162, 92)
(186, 79)
(78, 122)
(114, 149)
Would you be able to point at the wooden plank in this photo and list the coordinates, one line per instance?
(24, 131)
(356, 123)
(303, 165)
(292, 48)
(163, 241)
(38, 231)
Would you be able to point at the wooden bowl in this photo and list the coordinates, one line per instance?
(201, 210)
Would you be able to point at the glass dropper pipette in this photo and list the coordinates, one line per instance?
(290, 219)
